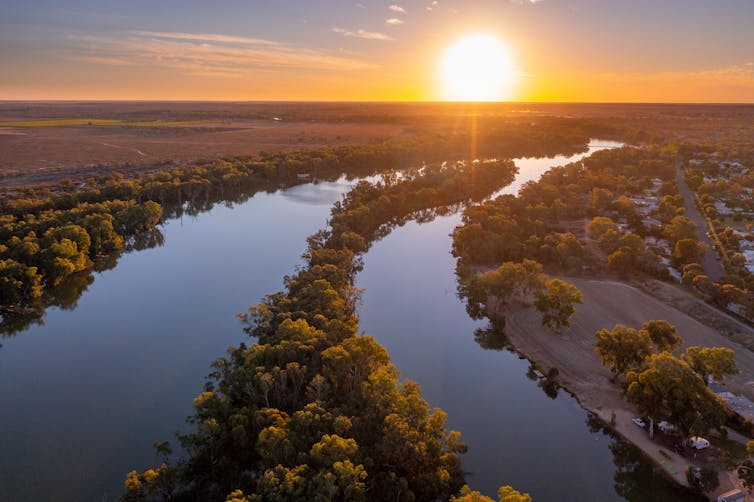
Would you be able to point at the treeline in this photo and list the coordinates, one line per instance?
(49, 233)
(546, 221)
(312, 411)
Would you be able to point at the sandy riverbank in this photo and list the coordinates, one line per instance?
(607, 303)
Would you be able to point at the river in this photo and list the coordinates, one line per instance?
(86, 394)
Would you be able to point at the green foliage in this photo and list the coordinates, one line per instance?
(312, 411)
(511, 281)
(623, 348)
(599, 225)
(679, 228)
(715, 362)
(666, 388)
(688, 251)
(504, 494)
(537, 224)
(556, 302)
(663, 335)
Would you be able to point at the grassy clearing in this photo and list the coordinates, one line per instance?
(90, 122)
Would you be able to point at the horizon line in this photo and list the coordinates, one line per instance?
(406, 102)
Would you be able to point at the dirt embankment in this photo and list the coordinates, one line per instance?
(607, 303)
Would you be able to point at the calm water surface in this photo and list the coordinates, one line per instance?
(83, 397)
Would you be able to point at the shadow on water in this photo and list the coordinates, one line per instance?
(65, 295)
(636, 479)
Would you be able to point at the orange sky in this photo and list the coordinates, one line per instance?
(569, 50)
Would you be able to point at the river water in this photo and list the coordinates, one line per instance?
(84, 396)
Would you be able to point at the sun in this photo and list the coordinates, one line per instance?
(477, 68)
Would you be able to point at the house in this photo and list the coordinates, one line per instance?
(732, 496)
(722, 209)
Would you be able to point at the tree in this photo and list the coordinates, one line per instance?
(705, 479)
(609, 241)
(622, 348)
(623, 260)
(746, 474)
(662, 334)
(666, 388)
(599, 225)
(601, 199)
(688, 251)
(556, 303)
(18, 282)
(504, 494)
(512, 281)
(681, 227)
(715, 362)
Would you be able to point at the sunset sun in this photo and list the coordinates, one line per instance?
(477, 68)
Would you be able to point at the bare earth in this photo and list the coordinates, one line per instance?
(607, 303)
(42, 154)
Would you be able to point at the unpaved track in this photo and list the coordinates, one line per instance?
(712, 266)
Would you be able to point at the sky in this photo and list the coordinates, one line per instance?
(559, 50)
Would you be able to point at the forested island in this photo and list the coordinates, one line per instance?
(311, 411)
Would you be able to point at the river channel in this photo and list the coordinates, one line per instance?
(85, 395)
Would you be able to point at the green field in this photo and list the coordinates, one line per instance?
(90, 122)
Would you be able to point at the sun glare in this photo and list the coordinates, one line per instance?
(477, 68)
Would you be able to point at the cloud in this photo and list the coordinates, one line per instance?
(522, 2)
(204, 54)
(397, 8)
(206, 37)
(367, 35)
(394, 21)
(102, 60)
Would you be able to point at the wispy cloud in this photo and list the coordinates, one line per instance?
(394, 21)
(206, 37)
(359, 33)
(522, 2)
(397, 8)
(204, 54)
(102, 60)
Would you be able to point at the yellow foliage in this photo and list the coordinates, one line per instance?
(237, 496)
(132, 483)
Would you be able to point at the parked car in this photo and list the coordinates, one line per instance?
(666, 428)
(698, 443)
(639, 422)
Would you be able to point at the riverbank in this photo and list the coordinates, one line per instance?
(580, 369)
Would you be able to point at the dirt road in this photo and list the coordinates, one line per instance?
(712, 266)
